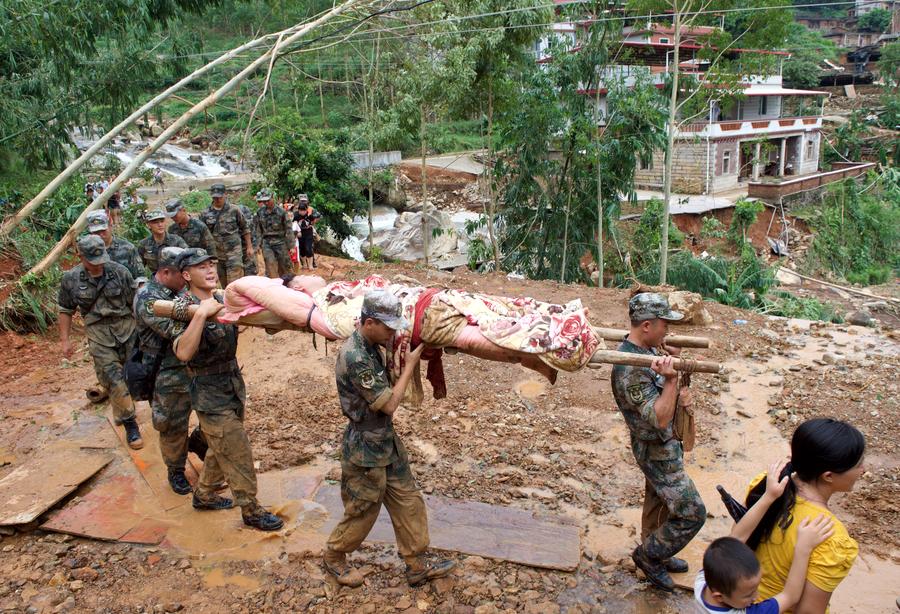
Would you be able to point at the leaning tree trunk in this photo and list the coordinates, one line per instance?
(14, 220)
(670, 153)
(169, 132)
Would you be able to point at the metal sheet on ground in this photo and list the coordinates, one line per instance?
(39, 483)
(491, 531)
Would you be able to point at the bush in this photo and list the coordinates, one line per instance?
(744, 216)
(196, 201)
(712, 228)
(789, 306)
(647, 236)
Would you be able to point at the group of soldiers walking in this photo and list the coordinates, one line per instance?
(193, 358)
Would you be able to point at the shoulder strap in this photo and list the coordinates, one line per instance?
(100, 287)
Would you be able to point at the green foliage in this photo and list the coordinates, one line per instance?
(875, 20)
(294, 161)
(196, 201)
(648, 235)
(889, 69)
(808, 48)
(744, 216)
(31, 306)
(857, 235)
(712, 228)
(787, 305)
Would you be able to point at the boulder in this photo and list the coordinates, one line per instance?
(692, 306)
(787, 278)
(861, 318)
(405, 240)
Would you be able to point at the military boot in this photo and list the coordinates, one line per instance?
(654, 570)
(676, 565)
(178, 481)
(336, 564)
(211, 502)
(260, 518)
(419, 570)
(133, 434)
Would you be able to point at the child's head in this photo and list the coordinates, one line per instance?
(732, 572)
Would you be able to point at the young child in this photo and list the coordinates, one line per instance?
(729, 580)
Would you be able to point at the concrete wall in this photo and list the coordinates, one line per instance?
(380, 159)
(810, 163)
(688, 169)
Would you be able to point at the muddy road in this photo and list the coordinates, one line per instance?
(502, 436)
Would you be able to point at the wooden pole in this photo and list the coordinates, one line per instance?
(169, 132)
(602, 357)
(14, 220)
(679, 341)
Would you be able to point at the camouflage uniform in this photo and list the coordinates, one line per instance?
(196, 234)
(218, 396)
(275, 230)
(149, 249)
(673, 510)
(171, 402)
(126, 254)
(374, 464)
(228, 227)
(108, 324)
(250, 263)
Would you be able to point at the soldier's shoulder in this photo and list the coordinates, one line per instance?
(176, 240)
(72, 275)
(120, 270)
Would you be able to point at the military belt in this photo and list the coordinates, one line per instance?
(225, 367)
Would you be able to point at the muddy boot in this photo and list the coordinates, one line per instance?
(211, 502)
(197, 443)
(133, 434)
(675, 565)
(336, 564)
(179, 482)
(654, 570)
(258, 517)
(419, 570)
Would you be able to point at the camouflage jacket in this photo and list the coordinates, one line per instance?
(217, 386)
(227, 226)
(104, 301)
(636, 390)
(126, 254)
(364, 387)
(274, 226)
(155, 333)
(196, 234)
(149, 249)
(251, 225)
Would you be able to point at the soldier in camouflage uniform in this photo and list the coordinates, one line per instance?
(191, 230)
(218, 396)
(374, 465)
(171, 402)
(150, 247)
(274, 227)
(230, 231)
(673, 510)
(250, 257)
(118, 249)
(103, 291)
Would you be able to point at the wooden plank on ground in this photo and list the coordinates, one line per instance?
(491, 531)
(39, 483)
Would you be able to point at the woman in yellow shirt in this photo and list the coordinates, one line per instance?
(826, 458)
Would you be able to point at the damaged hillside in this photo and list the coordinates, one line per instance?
(516, 181)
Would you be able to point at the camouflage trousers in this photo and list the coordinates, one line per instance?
(363, 490)
(229, 456)
(278, 261)
(231, 264)
(108, 365)
(673, 510)
(171, 412)
(250, 266)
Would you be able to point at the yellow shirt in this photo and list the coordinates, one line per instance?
(829, 563)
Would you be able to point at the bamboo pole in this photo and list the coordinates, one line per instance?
(169, 132)
(679, 341)
(70, 170)
(602, 357)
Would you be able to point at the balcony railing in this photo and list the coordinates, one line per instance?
(748, 127)
(771, 189)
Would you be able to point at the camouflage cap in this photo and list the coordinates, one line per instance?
(92, 249)
(154, 214)
(264, 194)
(303, 199)
(97, 221)
(168, 256)
(384, 307)
(88, 187)
(217, 189)
(193, 256)
(651, 306)
(174, 206)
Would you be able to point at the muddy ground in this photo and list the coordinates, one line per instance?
(502, 436)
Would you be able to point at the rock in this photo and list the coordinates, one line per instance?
(156, 130)
(487, 608)
(76, 585)
(173, 606)
(769, 335)
(87, 574)
(829, 359)
(691, 305)
(787, 278)
(861, 318)
(403, 603)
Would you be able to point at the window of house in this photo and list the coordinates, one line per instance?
(810, 149)
(726, 163)
(646, 165)
(663, 41)
(763, 104)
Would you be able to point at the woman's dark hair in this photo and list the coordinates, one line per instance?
(287, 278)
(817, 446)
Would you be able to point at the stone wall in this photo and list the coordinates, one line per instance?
(688, 169)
